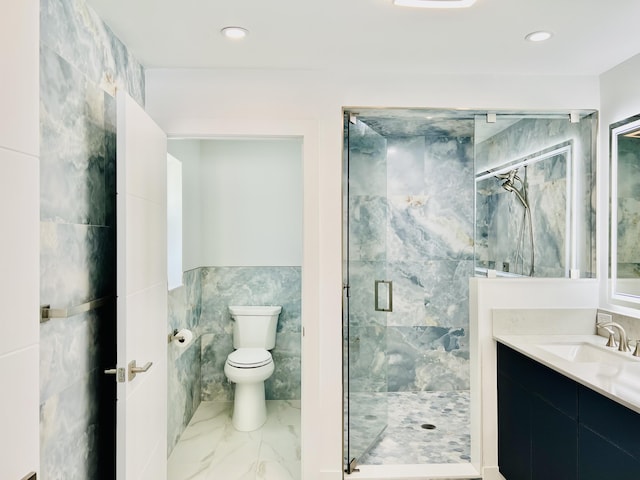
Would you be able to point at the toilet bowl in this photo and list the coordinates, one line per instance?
(248, 368)
(251, 363)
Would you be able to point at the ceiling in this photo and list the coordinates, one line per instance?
(590, 36)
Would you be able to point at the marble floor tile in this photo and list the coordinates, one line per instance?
(210, 448)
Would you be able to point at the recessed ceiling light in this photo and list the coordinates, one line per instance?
(235, 33)
(539, 36)
(434, 3)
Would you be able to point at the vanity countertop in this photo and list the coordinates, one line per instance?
(619, 381)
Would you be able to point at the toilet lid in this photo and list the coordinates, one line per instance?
(249, 358)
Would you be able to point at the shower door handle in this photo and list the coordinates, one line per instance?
(383, 296)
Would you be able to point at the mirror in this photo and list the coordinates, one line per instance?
(625, 210)
(535, 185)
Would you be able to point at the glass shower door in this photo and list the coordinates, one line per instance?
(367, 293)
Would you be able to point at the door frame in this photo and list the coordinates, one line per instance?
(211, 129)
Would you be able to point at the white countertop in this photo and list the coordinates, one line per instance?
(620, 383)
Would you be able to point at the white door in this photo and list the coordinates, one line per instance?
(141, 438)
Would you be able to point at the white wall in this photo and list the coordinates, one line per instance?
(252, 202)
(243, 198)
(309, 103)
(19, 242)
(620, 99)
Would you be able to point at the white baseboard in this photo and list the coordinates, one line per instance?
(492, 473)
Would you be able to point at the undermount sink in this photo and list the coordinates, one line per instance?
(583, 352)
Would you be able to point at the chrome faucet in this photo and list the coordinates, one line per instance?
(624, 343)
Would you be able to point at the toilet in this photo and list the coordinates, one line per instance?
(250, 364)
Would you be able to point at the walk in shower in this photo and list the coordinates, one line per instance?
(430, 199)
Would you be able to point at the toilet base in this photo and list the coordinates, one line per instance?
(249, 406)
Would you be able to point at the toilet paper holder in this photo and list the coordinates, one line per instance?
(175, 336)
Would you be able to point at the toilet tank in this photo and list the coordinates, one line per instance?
(254, 326)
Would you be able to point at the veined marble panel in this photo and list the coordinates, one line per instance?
(362, 277)
(184, 364)
(69, 432)
(367, 359)
(367, 161)
(425, 226)
(72, 146)
(419, 235)
(66, 347)
(430, 293)
(73, 263)
(184, 390)
(405, 166)
(215, 348)
(81, 63)
(285, 384)
(427, 358)
(224, 286)
(368, 224)
(75, 32)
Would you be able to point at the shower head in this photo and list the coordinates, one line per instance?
(509, 178)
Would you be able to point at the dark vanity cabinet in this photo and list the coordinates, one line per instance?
(550, 427)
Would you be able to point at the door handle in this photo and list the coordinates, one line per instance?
(119, 372)
(383, 296)
(134, 369)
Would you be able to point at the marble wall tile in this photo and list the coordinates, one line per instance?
(405, 166)
(81, 63)
(215, 348)
(430, 293)
(367, 152)
(427, 358)
(72, 148)
(224, 286)
(428, 226)
(368, 223)
(362, 277)
(76, 33)
(285, 384)
(184, 386)
(67, 348)
(69, 432)
(426, 218)
(184, 389)
(75, 263)
(368, 359)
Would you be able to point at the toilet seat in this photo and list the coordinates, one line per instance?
(249, 358)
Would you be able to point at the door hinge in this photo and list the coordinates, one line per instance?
(353, 466)
(347, 289)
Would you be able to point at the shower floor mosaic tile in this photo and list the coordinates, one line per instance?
(405, 440)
